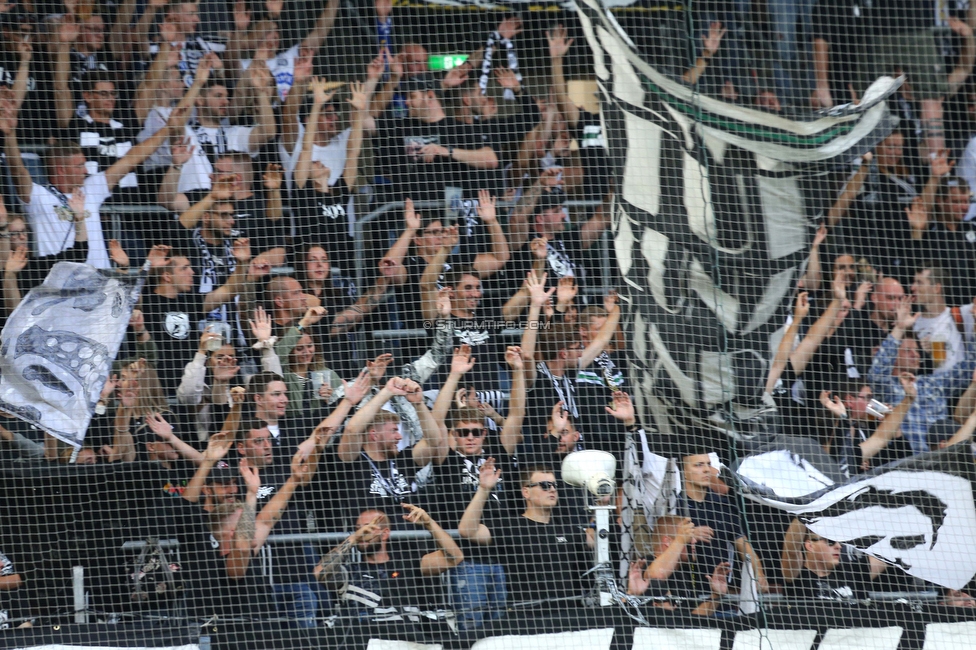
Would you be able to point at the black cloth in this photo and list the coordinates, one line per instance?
(595, 386)
(487, 346)
(845, 26)
(395, 583)
(593, 155)
(851, 580)
(322, 219)
(564, 258)
(720, 514)
(210, 591)
(103, 146)
(36, 113)
(379, 485)
(421, 181)
(284, 563)
(542, 561)
(174, 325)
(877, 227)
(251, 219)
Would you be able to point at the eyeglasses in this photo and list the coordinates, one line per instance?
(545, 485)
(224, 358)
(105, 94)
(821, 539)
(464, 432)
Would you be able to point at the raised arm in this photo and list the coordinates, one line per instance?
(447, 556)
(511, 433)
(164, 430)
(847, 195)
(320, 96)
(322, 27)
(354, 434)
(237, 561)
(433, 447)
(461, 363)
(470, 526)
(359, 102)
(293, 102)
(18, 172)
(391, 266)
(785, 348)
(606, 333)
(559, 45)
(303, 468)
(890, 427)
(265, 129)
(217, 447)
(818, 332)
(967, 56)
(429, 292)
(791, 558)
(491, 262)
(538, 296)
(144, 149)
(67, 33)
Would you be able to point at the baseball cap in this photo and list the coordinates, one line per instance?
(552, 200)
(222, 472)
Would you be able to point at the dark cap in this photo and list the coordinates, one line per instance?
(421, 83)
(222, 473)
(17, 17)
(552, 200)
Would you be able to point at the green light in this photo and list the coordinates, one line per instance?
(446, 61)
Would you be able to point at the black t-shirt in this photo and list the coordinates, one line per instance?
(487, 346)
(395, 583)
(721, 515)
(408, 294)
(284, 563)
(322, 219)
(877, 227)
(379, 485)
(851, 580)
(250, 217)
(542, 561)
(456, 482)
(203, 570)
(595, 385)
(174, 325)
(421, 181)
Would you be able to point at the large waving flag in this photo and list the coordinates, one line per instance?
(916, 513)
(59, 344)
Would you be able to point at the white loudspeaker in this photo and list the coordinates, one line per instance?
(593, 470)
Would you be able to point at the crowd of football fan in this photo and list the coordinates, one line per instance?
(238, 394)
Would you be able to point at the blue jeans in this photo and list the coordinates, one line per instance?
(478, 590)
(298, 601)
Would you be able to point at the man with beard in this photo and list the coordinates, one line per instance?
(217, 540)
(384, 577)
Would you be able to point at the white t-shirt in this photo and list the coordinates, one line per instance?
(282, 68)
(52, 221)
(332, 155)
(207, 141)
(942, 327)
(156, 120)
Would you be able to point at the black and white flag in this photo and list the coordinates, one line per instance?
(916, 513)
(59, 344)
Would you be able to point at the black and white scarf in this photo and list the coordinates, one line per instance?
(493, 39)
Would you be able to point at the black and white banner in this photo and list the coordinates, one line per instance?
(916, 513)
(57, 347)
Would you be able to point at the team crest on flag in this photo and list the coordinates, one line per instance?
(57, 348)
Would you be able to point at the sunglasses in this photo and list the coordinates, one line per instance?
(545, 485)
(464, 432)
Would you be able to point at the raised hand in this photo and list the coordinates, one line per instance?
(637, 584)
(17, 260)
(303, 467)
(507, 78)
(833, 404)
(356, 390)
(538, 295)
(76, 203)
(861, 294)
(558, 42)
(108, 388)
(622, 408)
(237, 395)
(802, 306)
(566, 290)
(486, 207)
(377, 367)
(510, 27)
(117, 254)
(241, 249)
(303, 65)
(940, 163)
(272, 177)
(489, 475)
(320, 91)
(261, 324)
(907, 381)
(181, 151)
(250, 474)
(158, 256)
(312, 316)
(462, 361)
(69, 29)
(904, 316)
(560, 417)
(416, 515)
(513, 357)
(444, 302)
(455, 77)
(820, 236)
(242, 16)
(539, 248)
(158, 425)
(918, 216)
(712, 40)
(358, 97)
(410, 216)
(376, 67)
(217, 446)
(610, 300)
(719, 580)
